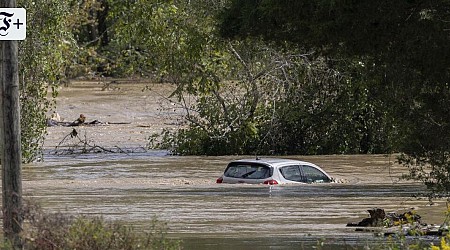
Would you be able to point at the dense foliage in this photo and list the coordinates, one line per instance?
(402, 48)
(290, 100)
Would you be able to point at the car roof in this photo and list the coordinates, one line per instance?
(274, 161)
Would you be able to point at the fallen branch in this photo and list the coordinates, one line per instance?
(80, 121)
(73, 144)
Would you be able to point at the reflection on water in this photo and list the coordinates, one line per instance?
(182, 191)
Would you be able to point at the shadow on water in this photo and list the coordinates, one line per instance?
(182, 191)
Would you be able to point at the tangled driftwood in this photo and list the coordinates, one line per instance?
(377, 218)
(408, 223)
(72, 143)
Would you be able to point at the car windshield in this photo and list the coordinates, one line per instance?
(303, 173)
(248, 171)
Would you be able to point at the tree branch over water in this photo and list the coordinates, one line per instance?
(73, 144)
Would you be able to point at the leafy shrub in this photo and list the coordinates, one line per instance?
(59, 231)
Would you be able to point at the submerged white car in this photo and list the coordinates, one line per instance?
(273, 171)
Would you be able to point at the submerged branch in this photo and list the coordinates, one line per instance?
(73, 144)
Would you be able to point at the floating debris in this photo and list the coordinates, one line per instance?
(407, 223)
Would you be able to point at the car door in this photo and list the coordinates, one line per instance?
(311, 174)
(292, 173)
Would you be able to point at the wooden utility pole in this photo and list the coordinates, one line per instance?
(10, 145)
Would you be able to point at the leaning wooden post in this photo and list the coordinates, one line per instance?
(10, 145)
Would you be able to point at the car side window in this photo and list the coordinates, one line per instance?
(292, 173)
(248, 171)
(313, 174)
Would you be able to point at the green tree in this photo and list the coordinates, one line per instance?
(175, 41)
(44, 56)
(157, 38)
(325, 111)
(249, 96)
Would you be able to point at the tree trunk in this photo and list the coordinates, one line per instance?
(10, 144)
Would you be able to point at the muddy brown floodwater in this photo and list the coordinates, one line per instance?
(182, 191)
